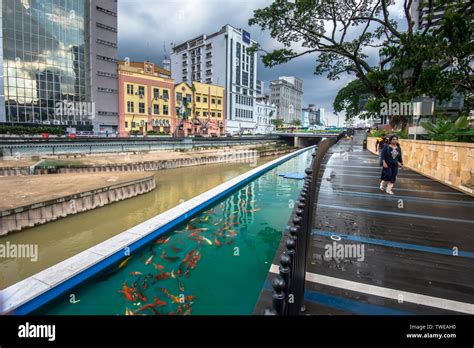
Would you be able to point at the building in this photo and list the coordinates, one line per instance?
(264, 114)
(56, 53)
(221, 59)
(260, 88)
(309, 116)
(200, 109)
(146, 99)
(287, 94)
(320, 116)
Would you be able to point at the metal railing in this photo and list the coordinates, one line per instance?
(288, 285)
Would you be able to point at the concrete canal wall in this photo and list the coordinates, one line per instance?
(39, 213)
(450, 163)
(41, 288)
(219, 157)
(12, 171)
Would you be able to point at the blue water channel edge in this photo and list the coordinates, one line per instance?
(284, 191)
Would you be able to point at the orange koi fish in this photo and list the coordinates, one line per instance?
(136, 273)
(128, 292)
(164, 275)
(173, 298)
(162, 240)
(216, 242)
(159, 267)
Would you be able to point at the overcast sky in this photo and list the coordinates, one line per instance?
(145, 26)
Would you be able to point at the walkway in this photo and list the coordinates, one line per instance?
(418, 245)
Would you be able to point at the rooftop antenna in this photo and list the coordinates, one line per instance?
(166, 58)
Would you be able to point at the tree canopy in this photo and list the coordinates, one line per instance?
(434, 60)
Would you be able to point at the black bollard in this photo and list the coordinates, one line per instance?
(278, 295)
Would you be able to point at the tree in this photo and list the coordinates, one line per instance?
(413, 63)
(296, 122)
(277, 122)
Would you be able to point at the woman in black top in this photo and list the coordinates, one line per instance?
(391, 156)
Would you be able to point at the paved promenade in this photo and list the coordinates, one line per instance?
(418, 244)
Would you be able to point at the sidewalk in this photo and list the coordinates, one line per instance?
(408, 241)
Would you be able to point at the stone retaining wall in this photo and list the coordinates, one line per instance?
(40, 213)
(450, 163)
(14, 171)
(221, 157)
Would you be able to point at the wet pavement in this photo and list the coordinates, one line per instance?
(376, 254)
(410, 253)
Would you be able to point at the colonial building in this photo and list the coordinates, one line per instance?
(146, 99)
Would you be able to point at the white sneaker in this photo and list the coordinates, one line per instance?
(382, 188)
(390, 192)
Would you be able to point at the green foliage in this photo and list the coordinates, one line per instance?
(296, 122)
(23, 130)
(445, 129)
(433, 61)
(278, 122)
(381, 133)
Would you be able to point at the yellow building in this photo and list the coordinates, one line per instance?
(200, 109)
(146, 99)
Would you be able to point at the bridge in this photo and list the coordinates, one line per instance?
(416, 247)
(301, 140)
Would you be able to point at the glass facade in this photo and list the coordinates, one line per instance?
(45, 62)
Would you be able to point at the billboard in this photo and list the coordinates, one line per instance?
(245, 37)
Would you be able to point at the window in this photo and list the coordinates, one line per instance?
(141, 108)
(198, 98)
(165, 94)
(219, 101)
(126, 124)
(218, 114)
(165, 109)
(156, 93)
(213, 114)
(213, 100)
(129, 89)
(204, 99)
(188, 98)
(156, 109)
(179, 97)
(205, 113)
(130, 107)
(198, 113)
(141, 90)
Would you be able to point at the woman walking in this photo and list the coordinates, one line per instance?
(390, 156)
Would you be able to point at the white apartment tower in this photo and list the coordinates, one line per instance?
(221, 59)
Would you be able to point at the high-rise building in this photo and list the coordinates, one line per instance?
(309, 116)
(221, 58)
(320, 116)
(58, 53)
(260, 88)
(287, 94)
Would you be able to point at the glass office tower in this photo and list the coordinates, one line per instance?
(44, 59)
(57, 53)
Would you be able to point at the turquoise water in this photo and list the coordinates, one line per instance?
(216, 263)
